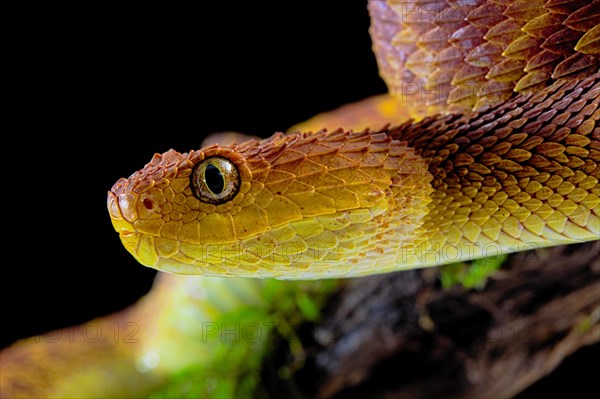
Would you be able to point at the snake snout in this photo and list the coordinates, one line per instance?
(121, 207)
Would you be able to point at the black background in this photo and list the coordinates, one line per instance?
(101, 90)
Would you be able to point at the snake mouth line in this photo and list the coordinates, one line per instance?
(126, 233)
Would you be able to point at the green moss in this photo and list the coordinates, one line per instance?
(243, 338)
(470, 275)
(585, 325)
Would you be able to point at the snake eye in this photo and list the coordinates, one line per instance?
(215, 180)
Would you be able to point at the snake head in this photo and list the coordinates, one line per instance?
(158, 212)
(305, 205)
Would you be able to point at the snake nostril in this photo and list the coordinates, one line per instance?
(148, 203)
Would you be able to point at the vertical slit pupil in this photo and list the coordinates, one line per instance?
(214, 179)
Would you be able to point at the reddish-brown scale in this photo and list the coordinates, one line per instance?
(480, 53)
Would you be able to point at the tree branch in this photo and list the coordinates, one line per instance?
(402, 335)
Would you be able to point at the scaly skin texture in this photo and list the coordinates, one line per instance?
(438, 56)
(513, 177)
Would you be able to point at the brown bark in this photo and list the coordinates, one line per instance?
(402, 335)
